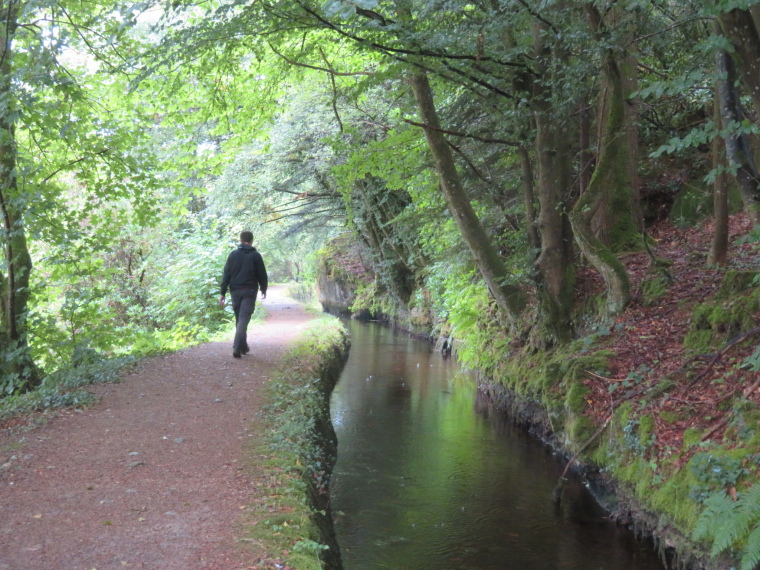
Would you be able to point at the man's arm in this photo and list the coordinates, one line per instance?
(226, 275)
(261, 274)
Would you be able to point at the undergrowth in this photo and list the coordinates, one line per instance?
(66, 386)
(296, 452)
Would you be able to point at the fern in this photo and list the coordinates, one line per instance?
(732, 524)
(751, 552)
(719, 509)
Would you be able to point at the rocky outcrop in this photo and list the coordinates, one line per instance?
(335, 295)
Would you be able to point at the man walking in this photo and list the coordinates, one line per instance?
(244, 274)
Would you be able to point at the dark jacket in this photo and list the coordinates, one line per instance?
(244, 270)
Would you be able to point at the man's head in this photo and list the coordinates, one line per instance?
(246, 237)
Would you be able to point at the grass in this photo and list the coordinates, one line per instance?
(293, 452)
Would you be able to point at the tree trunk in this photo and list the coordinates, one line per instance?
(586, 166)
(719, 249)
(617, 219)
(740, 29)
(556, 272)
(509, 298)
(529, 197)
(738, 149)
(610, 186)
(18, 372)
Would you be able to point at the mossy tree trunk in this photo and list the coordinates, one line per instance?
(740, 28)
(617, 220)
(529, 196)
(511, 299)
(611, 187)
(556, 279)
(586, 166)
(719, 248)
(738, 149)
(18, 371)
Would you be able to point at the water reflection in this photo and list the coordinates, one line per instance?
(423, 480)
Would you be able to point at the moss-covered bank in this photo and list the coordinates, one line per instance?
(296, 452)
(659, 407)
(672, 454)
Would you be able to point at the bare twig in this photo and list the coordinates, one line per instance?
(597, 433)
(461, 134)
(329, 70)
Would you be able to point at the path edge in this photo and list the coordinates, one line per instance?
(296, 451)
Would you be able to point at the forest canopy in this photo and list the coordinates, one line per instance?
(492, 148)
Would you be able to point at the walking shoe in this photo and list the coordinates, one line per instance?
(245, 350)
(235, 354)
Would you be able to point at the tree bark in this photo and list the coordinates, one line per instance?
(556, 271)
(738, 150)
(740, 29)
(510, 299)
(586, 166)
(719, 248)
(529, 197)
(610, 186)
(617, 220)
(19, 370)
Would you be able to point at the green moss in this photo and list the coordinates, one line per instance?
(736, 281)
(673, 498)
(646, 423)
(698, 341)
(714, 323)
(601, 455)
(659, 389)
(294, 450)
(754, 440)
(691, 437)
(669, 417)
(747, 422)
(575, 401)
(576, 368)
(373, 300)
(653, 289)
(693, 204)
(580, 431)
(623, 414)
(550, 376)
(633, 472)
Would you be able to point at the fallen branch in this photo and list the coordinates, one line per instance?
(603, 377)
(721, 424)
(716, 356)
(597, 433)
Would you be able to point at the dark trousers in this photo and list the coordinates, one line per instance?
(243, 303)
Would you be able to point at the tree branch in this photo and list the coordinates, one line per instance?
(419, 52)
(461, 134)
(334, 100)
(330, 70)
(73, 162)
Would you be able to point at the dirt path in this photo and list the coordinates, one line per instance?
(153, 475)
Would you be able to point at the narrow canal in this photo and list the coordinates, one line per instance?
(426, 478)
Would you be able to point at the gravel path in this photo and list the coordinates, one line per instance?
(154, 475)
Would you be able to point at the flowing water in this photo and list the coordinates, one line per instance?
(427, 478)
